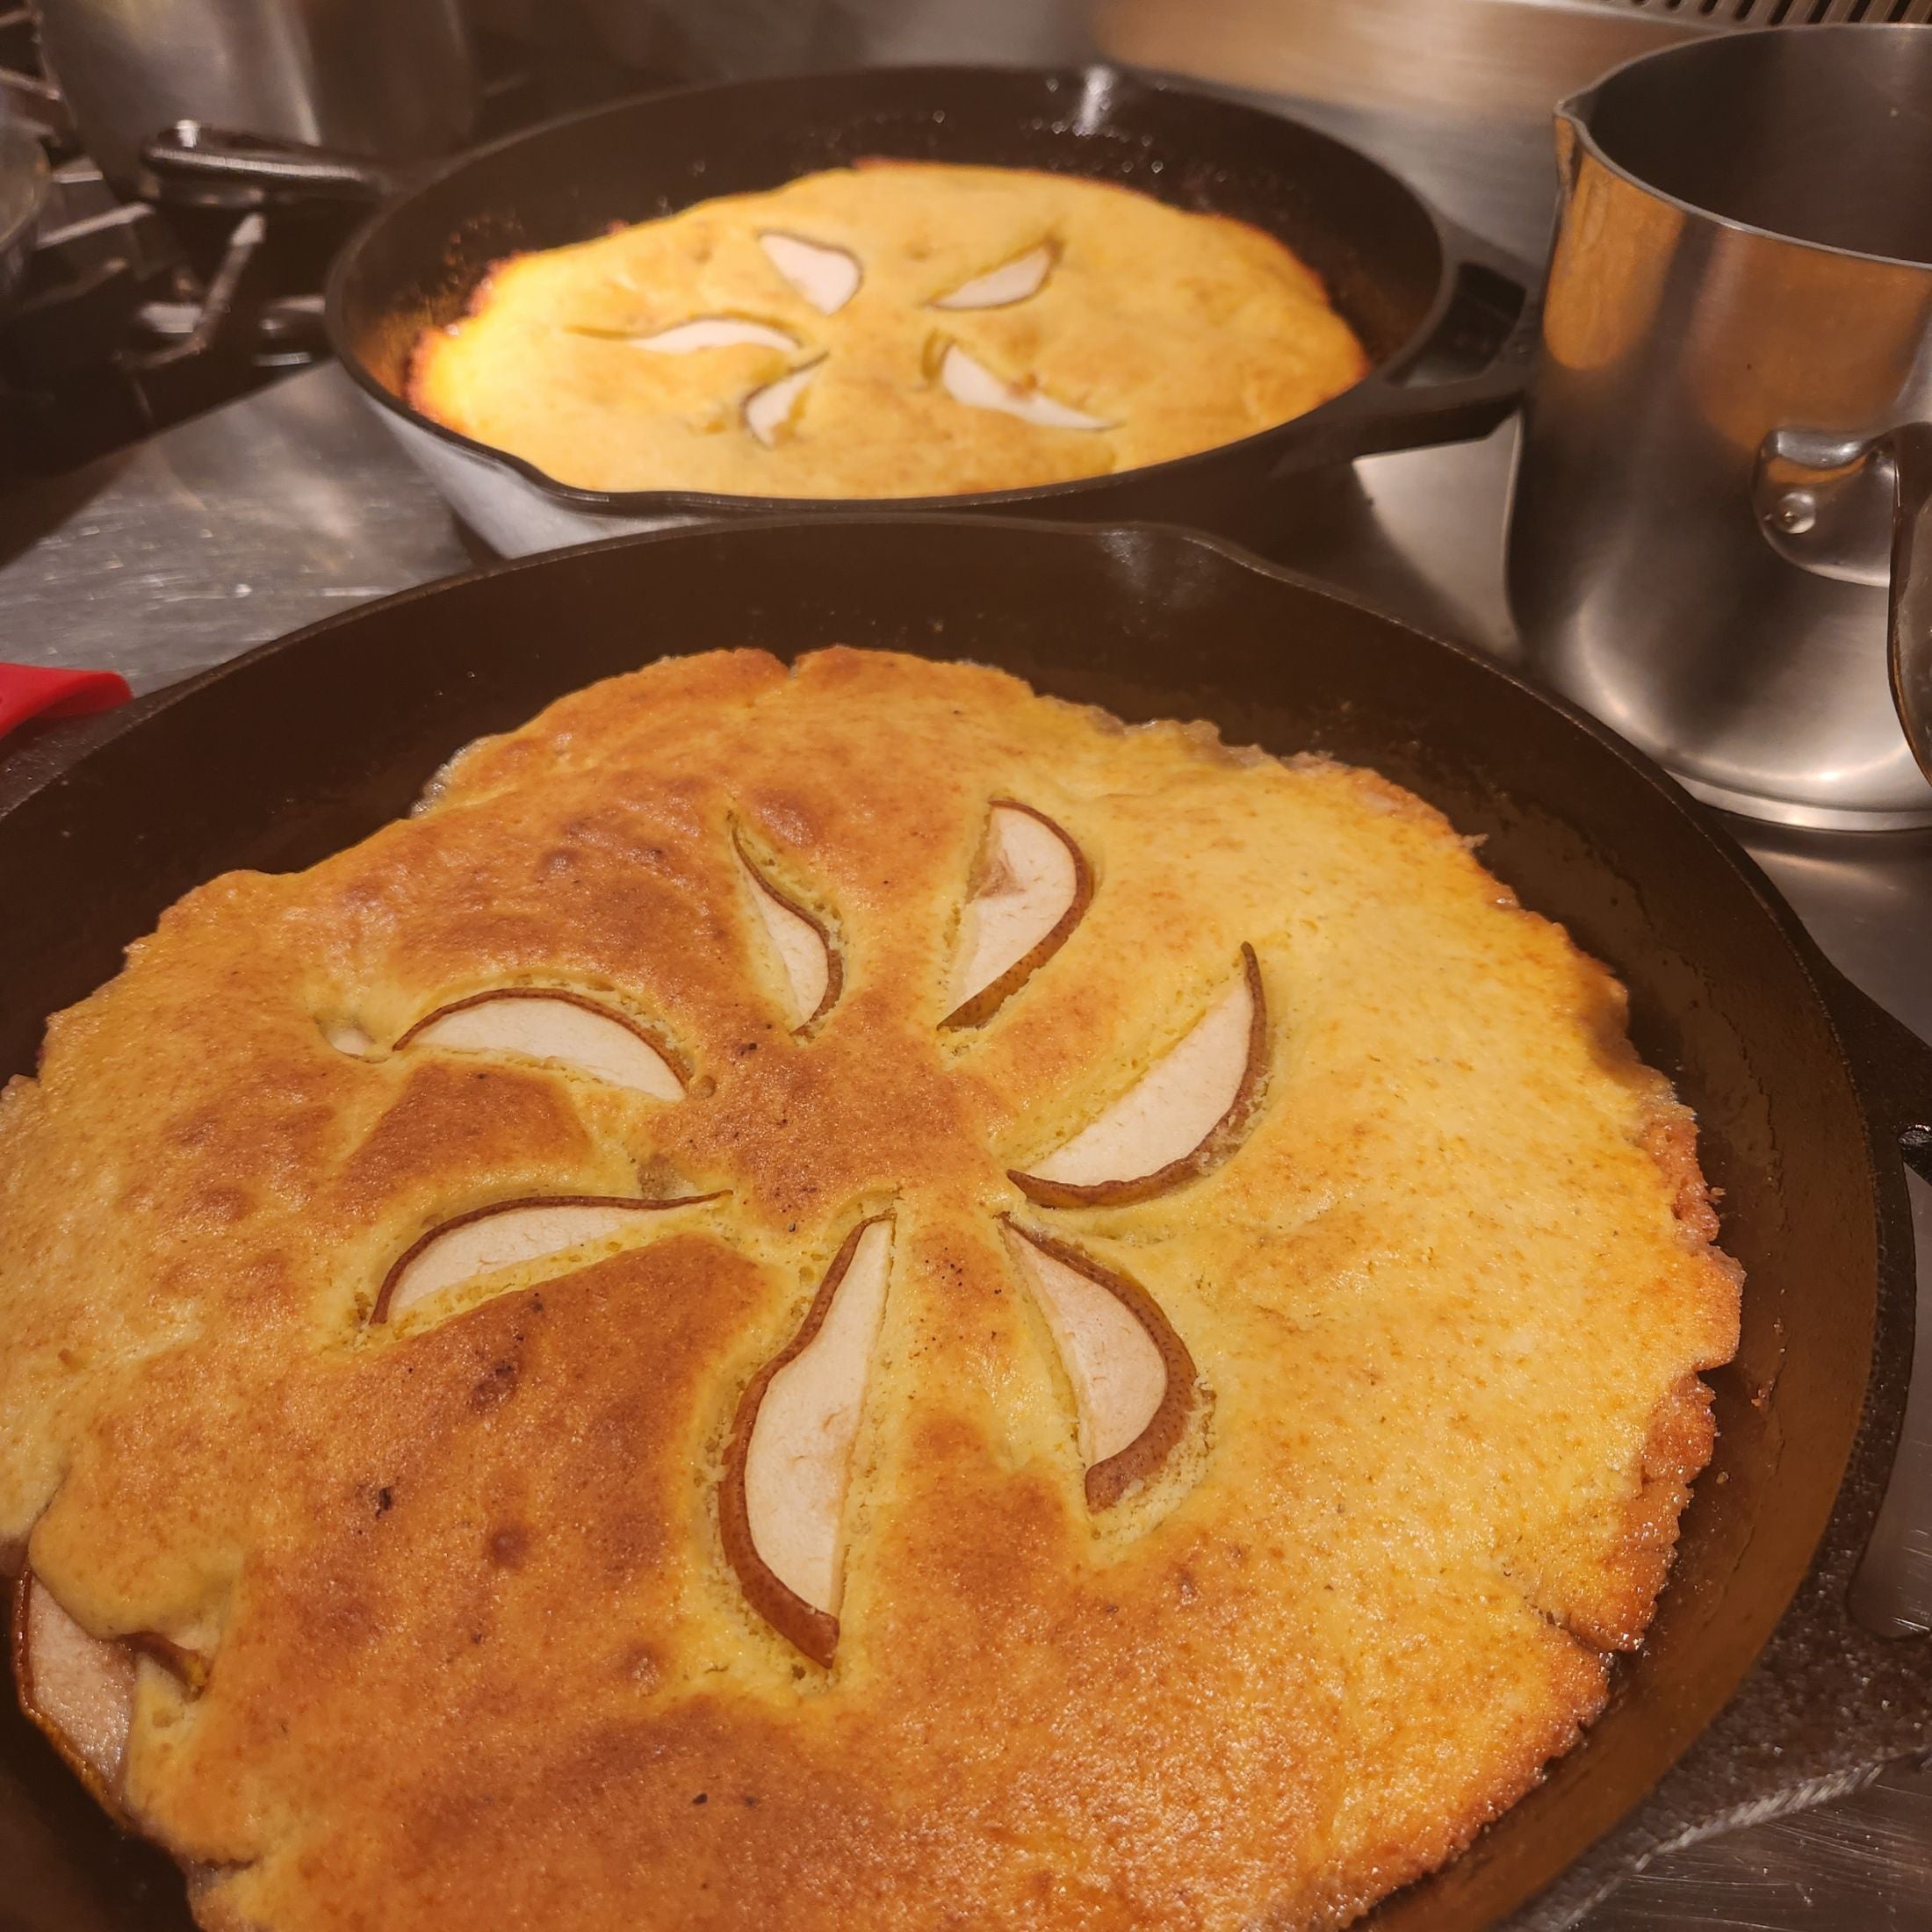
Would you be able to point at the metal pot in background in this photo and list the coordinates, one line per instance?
(1727, 453)
(23, 193)
(393, 79)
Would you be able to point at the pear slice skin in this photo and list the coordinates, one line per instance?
(1181, 1118)
(971, 382)
(502, 1235)
(714, 332)
(78, 1690)
(1036, 884)
(767, 410)
(565, 1028)
(826, 277)
(1133, 1380)
(814, 973)
(789, 1463)
(1014, 281)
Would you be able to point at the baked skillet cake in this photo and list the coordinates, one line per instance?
(897, 329)
(843, 1297)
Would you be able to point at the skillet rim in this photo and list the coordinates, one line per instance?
(1453, 251)
(1632, 1834)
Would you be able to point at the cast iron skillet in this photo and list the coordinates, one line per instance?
(1755, 1688)
(1411, 286)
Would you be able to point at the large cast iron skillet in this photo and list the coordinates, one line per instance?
(1755, 1688)
(1415, 290)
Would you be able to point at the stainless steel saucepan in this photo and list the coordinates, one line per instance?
(1727, 458)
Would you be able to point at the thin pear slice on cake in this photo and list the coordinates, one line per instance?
(826, 277)
(768, 411)
(714, 332)
(560, 1028)
(506, 1235)
(1133, 1380)
(808, 961)
(788, 1465)
(78, 1689)
(1014, 281)
(1031, 885)
(971, 382)
(1185, 1116)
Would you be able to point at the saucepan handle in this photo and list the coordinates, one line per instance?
(1490, 317)
(192, 162)
(1910, 647)
(1823, 500)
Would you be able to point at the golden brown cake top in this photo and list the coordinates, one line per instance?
(899, 328)
(968, 1501)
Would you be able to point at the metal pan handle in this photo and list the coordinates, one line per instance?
(1489, 313)
(1822, 499)
(191, 162)
(1910, 653)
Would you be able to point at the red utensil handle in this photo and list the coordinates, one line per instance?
(41, 691)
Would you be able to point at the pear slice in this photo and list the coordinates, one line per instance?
(976, 385)
(1014, 281)
(807, 958)
(78, 1689)
(768, 411)
(713, 332)
(1134, 1381)
(827, 278)
(1032, 886)
(789, 1463)
(1185, 1114)
(505, 1235)
(561, 1028)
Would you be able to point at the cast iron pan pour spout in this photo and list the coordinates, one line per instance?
(1755, 1689)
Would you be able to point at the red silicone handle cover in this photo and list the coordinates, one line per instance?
(43, 690)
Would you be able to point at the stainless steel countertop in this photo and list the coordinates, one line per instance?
(295, 503)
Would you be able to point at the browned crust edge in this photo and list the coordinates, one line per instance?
(379, 1313)
(662, 1048)
(805, 1625)
(834, 960)
(976, 1011)
(414, 376)
(1110, 1479)
(1221, 1141)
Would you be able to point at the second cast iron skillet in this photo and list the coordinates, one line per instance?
(1425, 298)
(1755, 1687)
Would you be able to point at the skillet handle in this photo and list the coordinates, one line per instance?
(1488, 313)
(212, 165)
